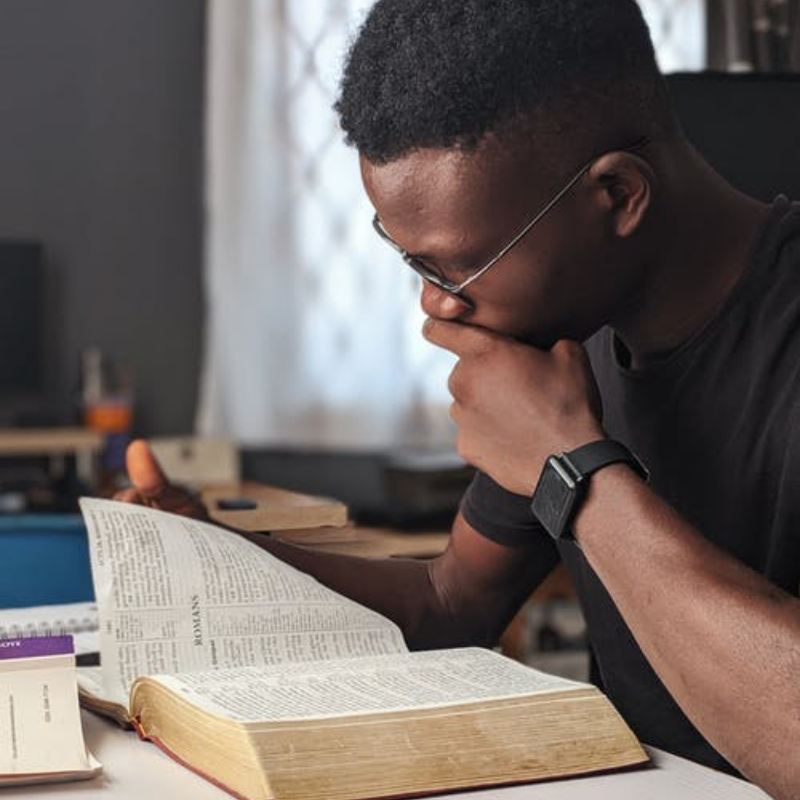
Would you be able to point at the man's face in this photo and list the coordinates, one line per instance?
(455, 210)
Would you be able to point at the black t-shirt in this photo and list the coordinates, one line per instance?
(717, 422)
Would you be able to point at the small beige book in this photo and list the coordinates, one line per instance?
(267, 683)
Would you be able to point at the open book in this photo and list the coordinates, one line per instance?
(273, 686)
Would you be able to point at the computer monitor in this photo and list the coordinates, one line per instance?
(21, 321)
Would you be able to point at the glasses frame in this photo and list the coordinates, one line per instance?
(455, 288)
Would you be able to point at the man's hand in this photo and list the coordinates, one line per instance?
(151, 487)
(516, 405)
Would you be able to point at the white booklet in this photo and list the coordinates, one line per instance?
(41, 739)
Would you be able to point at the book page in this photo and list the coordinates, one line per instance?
(78, 619)
(400, 682)
(90, 679)
(39, 716)
(176, 594)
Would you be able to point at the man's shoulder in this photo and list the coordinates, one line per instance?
(777, 253)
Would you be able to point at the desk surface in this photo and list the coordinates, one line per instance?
(358, 540)
(136, 770)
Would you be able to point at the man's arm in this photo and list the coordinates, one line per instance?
(724, 641)
(465, 596)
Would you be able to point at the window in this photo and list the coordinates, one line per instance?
(313, 325)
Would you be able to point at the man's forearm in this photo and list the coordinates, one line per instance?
(724, 641)
(402, 590)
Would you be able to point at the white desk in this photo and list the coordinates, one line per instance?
(136, 770)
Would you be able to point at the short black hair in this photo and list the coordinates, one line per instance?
(444, 73)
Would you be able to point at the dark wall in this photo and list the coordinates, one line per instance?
(100, 158)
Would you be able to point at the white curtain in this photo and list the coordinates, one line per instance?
(313, 327)
(678, 30)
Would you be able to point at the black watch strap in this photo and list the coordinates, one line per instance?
(563, 484)
(591, 457)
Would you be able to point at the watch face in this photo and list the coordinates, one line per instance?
(554, 498)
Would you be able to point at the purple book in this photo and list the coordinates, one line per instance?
(36, 647)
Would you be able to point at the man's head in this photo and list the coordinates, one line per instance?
(470, 116)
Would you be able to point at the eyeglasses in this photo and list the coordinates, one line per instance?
(453, 287)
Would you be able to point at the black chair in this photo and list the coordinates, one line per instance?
(746, 125)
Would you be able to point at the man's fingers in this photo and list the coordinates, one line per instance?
(458, 337)
(128, 496)
(151, 487)
(568, 349)
(144, 471)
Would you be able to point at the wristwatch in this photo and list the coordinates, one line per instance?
(564, 482)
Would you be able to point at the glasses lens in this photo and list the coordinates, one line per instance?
(429, 275)
(422, 269)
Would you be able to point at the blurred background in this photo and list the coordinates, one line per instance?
(186, 251)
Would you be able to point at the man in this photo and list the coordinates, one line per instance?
(523, 157)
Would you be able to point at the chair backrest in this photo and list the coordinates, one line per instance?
(746, 125)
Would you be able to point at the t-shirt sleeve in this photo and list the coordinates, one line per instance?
(500, 515)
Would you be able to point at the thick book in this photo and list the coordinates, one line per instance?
(41, 739)
(271, 685)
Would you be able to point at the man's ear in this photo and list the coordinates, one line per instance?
(625, 184)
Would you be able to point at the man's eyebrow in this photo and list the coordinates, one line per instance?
(419, 256)
(426, 258)
(445, 266)
(461, 264)
(455, 263)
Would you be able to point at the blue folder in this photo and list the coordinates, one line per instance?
(44, 559)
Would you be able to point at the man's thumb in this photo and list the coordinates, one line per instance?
(144, 471)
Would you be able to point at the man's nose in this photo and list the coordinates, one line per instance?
(440, 304)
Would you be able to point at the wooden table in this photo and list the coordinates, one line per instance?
(368, 542)
(56, 443)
